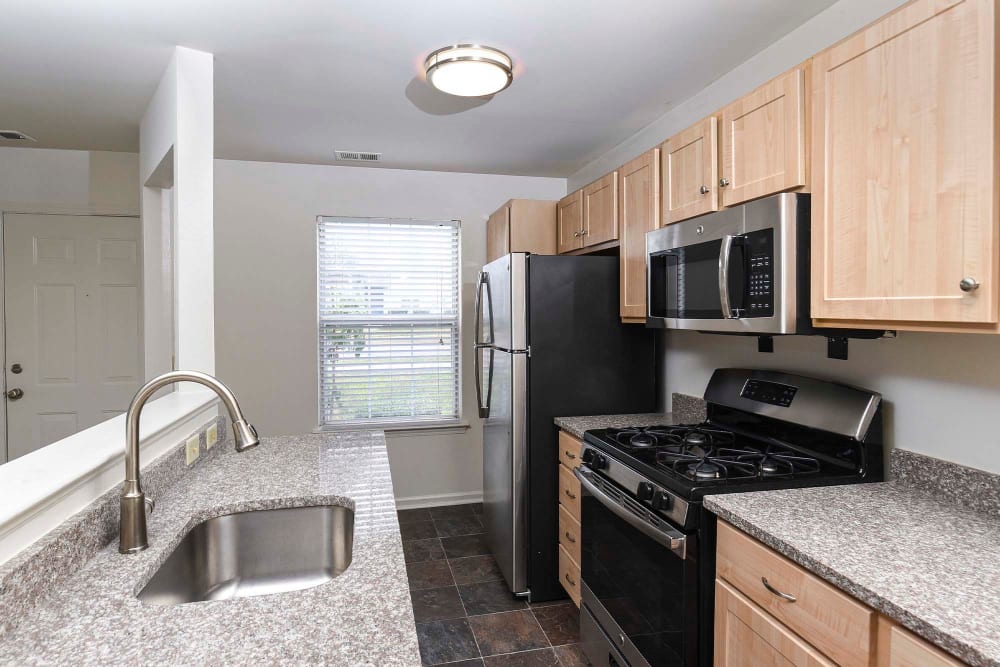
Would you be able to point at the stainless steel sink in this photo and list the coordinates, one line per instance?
(255, 553)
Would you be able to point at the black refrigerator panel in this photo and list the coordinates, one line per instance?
(583, 361)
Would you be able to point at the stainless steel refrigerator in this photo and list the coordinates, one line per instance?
(549, 342)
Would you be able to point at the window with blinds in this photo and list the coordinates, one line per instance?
(388, 321)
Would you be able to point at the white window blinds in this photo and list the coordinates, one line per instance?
(388, 321)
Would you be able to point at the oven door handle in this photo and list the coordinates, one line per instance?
(671, 538)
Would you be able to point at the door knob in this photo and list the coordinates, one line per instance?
(15, 394)
(704, 190)
(968, 284)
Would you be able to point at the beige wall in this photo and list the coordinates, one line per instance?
(265, 301)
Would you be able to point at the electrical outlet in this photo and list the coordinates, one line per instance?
(193, 449)
(211, 436)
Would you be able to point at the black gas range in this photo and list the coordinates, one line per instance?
(648, 545)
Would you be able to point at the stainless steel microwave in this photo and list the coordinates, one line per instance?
(742, 270)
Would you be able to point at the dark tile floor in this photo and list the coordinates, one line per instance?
(465, 615)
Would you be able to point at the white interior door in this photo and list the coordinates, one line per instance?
(73, 332)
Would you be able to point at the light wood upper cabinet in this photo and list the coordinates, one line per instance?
(498, 234)
(905, 175)
(690, 172)
(639, 207)
(522, 225)
(569, 222)
(745, 635)
(600, 210)
(764, 140)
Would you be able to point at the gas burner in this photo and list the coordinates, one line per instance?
(704, 470)
(775, 462)
(640, 438)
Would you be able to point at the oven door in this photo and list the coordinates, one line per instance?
(640, 581)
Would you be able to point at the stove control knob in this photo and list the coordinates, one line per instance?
(644, 492)
(588, 456)
(599, 462)
(660, 501)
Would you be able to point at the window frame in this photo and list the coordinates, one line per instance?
(402, 426)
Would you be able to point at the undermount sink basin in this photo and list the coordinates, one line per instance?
(255, 553)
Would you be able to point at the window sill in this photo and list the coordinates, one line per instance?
(402, 430)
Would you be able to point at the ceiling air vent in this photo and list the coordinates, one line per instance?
(14, 135)
(358, 156)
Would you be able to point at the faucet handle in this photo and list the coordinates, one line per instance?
(150, 504)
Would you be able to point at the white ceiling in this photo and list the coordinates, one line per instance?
(296, 79)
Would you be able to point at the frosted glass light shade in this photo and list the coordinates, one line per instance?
(469, 70)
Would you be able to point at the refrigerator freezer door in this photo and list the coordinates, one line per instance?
(507, 280)
(505, 469)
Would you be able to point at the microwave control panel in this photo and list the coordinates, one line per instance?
(760, 274)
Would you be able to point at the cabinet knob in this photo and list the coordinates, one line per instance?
(969, 284)
(704, 190)
(723, 182)
(576, 234)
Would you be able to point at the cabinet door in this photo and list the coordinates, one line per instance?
(901, 648)
(498, 234)
(600, 210)
(746, 636)
(639, 197)
(569, 222)
(691, 172)
(904, 169)
(764, 140)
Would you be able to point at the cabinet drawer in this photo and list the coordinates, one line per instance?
(569, 575)
(569, 450)
(569, 534)
(569, 491)
(830, 620)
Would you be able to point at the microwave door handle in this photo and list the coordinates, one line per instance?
(669, 537)
(724, 254)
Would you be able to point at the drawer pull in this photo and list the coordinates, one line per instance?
(783, 596)
(572, 496)
(569, 454)
(569, 579)
(570, 538)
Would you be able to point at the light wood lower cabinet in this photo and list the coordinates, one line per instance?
(747, 636)
(905, 158)
(569, 575)
(900, 648)
(771, 611)
(639, 209)
(569, 491)
(522, 225)
(569, 515)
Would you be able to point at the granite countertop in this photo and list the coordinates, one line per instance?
(362, 617)
(577, 425)
(920, 559)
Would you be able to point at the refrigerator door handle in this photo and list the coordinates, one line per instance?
(484, 281)
(484, 408)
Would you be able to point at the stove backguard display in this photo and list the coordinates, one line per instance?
(774, 393)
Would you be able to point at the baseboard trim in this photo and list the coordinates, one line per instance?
(438, 500)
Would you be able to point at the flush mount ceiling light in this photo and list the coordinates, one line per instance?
(469, 70)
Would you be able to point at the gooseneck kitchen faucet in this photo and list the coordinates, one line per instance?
(132, 524)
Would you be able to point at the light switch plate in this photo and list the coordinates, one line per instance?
(211, 436)
(193, 449)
